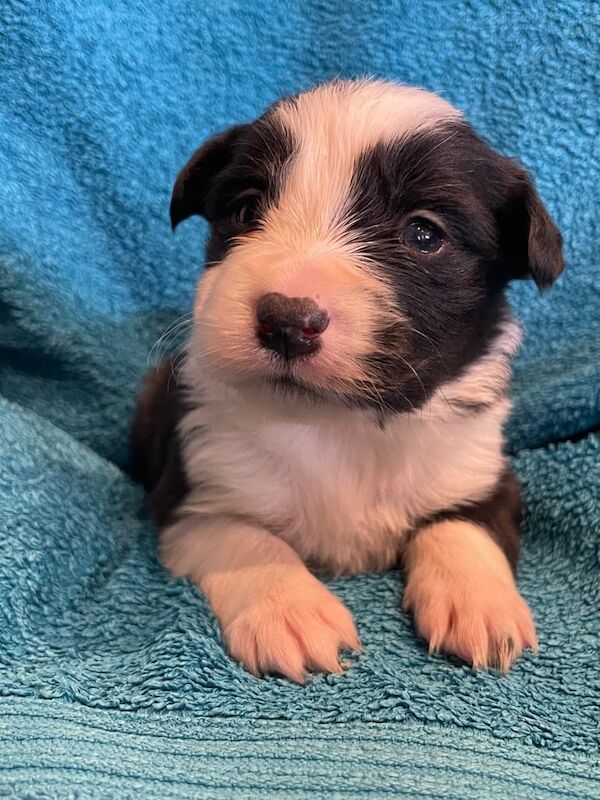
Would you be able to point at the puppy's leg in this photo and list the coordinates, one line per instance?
(275, 616)
(461, 589)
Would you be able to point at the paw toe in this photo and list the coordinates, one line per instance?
(479, 631)
(289, 639)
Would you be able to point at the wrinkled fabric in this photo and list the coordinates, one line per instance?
(114, 681)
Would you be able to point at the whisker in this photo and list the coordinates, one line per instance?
(416, 374)
(430, 341)
(172, 329)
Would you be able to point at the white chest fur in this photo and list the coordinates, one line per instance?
(338, 488)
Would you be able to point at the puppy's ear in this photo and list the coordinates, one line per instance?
(530, 241)
(195, 179)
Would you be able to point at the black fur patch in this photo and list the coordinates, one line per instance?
(453, 299)
(500, 515)
(243, 159)
(156, 451)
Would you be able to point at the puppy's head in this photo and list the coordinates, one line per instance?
(362, 236)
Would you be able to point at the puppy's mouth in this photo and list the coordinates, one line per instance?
(284, 376)
(389, 385)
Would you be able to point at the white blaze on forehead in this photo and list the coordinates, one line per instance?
(331, 126)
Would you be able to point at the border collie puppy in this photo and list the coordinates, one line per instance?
(341, 400)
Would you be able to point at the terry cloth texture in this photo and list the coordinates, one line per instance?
(113, 679)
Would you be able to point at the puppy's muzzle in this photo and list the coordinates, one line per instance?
(291, 326)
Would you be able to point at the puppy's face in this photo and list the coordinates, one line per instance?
(361, 239)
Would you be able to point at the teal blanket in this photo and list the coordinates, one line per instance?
(113, 681)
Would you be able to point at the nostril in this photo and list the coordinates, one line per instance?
(315, 322)
(271, 310)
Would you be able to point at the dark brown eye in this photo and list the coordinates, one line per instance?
(423, 235)
(246, 211)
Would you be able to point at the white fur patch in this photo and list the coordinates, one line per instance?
(331, 126)
(328, 480)
(275, 616)
(462, 593)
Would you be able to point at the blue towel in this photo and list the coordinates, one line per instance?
(113, 681)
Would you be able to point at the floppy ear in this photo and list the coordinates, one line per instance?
(195, 179)
(530, 241)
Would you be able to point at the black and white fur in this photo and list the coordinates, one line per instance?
(384, 445)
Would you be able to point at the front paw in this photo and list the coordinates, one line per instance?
(480, 618)
(294, 627)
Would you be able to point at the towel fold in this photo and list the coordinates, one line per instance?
(114, 681)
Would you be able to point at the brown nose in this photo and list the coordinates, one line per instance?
(290, 325)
